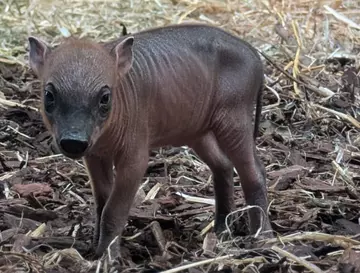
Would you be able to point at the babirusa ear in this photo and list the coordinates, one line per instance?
(124, 55)
(38, 51)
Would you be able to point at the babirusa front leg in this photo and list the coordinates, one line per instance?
(101, 179)
(129, 173)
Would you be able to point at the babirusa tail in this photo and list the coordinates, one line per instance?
(258, 110)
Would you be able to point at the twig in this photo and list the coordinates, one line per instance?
(342, 241)
(297, 56)
(195, 199)
(342, 17)
(192, 265)
(153, 192)
(207, 228)
(38, 231)
(343, 174)
(322, 92)
(339, 114)
(16, 104)
(19, 133)
(158, 234)
(274, 105)
(310, 266)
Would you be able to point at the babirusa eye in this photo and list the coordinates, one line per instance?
(49, 96)
(105, 101)
(49, 99)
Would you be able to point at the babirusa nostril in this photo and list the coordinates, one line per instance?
(73, 146)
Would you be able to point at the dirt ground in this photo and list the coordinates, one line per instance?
(309, 142)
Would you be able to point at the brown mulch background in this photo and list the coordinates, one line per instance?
(311, 153)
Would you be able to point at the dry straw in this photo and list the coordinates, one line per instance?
(296, 37)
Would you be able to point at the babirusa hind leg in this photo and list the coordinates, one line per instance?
(208, 150)
(235, 138)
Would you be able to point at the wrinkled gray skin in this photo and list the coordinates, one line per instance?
(110, 103)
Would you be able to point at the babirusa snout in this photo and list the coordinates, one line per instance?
(74, 143)
(74, 139)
